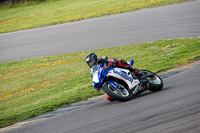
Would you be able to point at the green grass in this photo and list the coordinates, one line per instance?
(35, 86)
(25, 16)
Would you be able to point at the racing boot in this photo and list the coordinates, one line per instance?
(138, 72)
(110, 98)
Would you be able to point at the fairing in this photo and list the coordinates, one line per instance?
(122, 74)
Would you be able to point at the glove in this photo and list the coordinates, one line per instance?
(99, 61)
(103, 59)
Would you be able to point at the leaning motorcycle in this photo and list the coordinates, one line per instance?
(121, 84)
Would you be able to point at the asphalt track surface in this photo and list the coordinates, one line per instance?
(173, 21)
(175, 109)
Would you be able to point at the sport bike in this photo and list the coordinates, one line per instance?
(121, 84)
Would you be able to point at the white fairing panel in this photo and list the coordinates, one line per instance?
(95, 78)
(124, 75)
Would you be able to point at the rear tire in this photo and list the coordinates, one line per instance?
(155, 82)
(121, 93)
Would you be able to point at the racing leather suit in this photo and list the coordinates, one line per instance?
(109, 62)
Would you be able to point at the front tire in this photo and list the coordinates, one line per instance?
(121, 93)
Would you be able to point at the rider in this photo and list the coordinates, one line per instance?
(92, 59)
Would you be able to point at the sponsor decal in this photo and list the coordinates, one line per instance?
(123, 75)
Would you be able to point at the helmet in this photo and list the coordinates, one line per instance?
(91, 59)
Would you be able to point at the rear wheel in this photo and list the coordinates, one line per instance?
(121, 93)
(155, 82)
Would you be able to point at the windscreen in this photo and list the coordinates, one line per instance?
(93, 69)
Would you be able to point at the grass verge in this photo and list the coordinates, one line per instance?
(35, 86)
(25, 16)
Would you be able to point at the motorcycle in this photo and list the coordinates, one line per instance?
(121, 84)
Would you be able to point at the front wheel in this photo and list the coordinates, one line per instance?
(121, 93)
